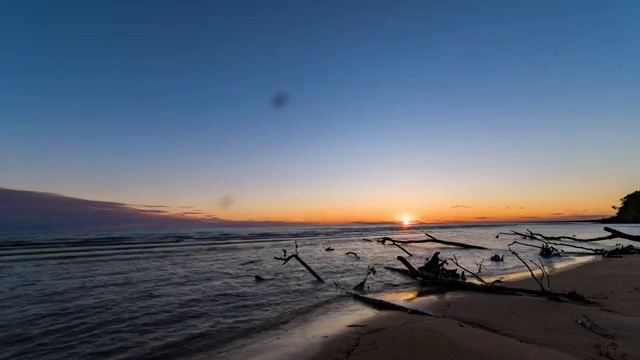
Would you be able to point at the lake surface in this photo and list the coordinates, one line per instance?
(192, 294)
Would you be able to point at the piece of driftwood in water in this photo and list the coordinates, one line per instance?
(593, 326)
(381, 304)
(436, 266)
(595, 251)
(621, 250)
(403, 249)
(432, 240)
(329, 249)
(260, 278)
(400, 270)
(546, 250)
(476, 275)
(286, 259)
(354, 254)
(249, 262)
(370, 271)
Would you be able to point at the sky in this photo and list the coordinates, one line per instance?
(424, 110)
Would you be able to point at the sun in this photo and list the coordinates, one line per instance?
(406, 220)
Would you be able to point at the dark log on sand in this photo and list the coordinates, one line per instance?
(381, 304)
(432, 240)
(452, 284)
(593, 326)
(385, 305)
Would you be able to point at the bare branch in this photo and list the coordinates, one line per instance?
(531, 271)
(544, 271)
(403, 249)
(432, 240)
(455, 262)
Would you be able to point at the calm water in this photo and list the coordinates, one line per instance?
(192, 294)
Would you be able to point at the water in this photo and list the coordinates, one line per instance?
(192, 294)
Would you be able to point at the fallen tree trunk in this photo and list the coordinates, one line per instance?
(437, 281)
(381, 304)
(613, 234)
(385, 305)
(433, 240)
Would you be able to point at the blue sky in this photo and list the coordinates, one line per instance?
(405, 107)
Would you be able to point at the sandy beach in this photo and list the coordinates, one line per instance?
(487, 326)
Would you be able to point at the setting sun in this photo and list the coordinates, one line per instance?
(406, 219)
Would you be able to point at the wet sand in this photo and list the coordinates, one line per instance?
(486, 326)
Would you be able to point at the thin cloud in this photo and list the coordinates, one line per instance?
(557, 214)
(460, 207)
(482, 217)
(149, 211)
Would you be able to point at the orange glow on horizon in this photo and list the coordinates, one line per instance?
(404, 211)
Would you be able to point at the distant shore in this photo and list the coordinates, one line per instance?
(486, 326)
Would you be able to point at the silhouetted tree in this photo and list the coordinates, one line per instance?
(629, 209)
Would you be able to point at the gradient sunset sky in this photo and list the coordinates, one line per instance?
(433, 110)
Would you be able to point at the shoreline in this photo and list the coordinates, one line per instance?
(489, 326)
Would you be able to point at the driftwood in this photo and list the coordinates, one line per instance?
(370, 271)
(613, 234)
(497, 258)
(546, 250)
(367, 240)
(329, 249)
(432, 240)
(595, 251)
(354, 254)
(249, 262)
(286, 259)
(403, 249)
(539, 281)
(453, 284)
(381, 304)
(476, 275)
(591, 325)
(622, 250)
